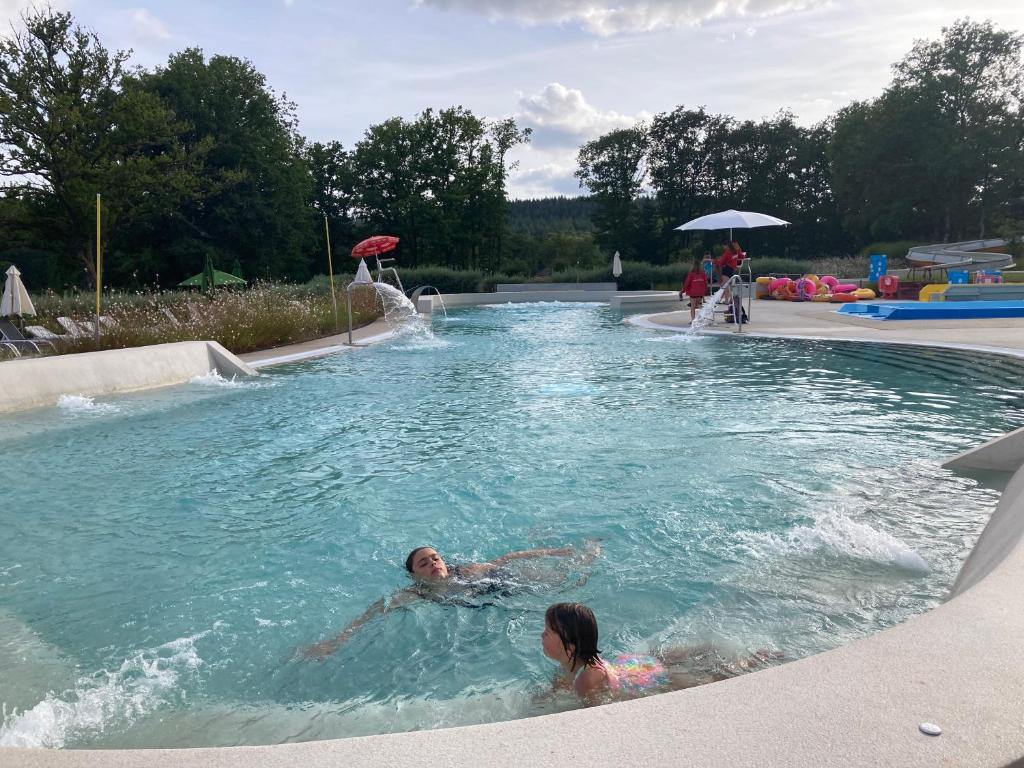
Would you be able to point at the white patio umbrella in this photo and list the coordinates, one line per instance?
(616, 265)
(733, 220)
(16, 300)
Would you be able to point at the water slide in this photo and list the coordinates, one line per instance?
(969, 256)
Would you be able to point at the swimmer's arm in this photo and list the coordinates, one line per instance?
(325, 648)
(526, 554)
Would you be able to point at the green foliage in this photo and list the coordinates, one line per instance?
(613, 168)
(444, 279)
(199, 157)
(938, 155)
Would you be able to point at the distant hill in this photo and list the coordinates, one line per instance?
(538, 217)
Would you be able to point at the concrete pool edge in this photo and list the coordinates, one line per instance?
(861, 703)
(33, 382)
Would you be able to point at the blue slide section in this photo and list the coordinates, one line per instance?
(935, 310)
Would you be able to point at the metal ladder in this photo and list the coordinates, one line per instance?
(738, 287)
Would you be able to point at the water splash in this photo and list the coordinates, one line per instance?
(142, 684)
(834, 533)
(75, 404)
(214, 379)
(706, 313)
(401, 313)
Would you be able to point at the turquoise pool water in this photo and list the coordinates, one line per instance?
(164, 554)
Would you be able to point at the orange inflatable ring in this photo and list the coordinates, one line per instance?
(842, 298)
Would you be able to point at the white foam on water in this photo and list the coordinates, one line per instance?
(103, 700)
(75, 404)
(423, 343)
(834, 533)
(214, 379)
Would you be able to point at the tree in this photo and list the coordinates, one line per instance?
(333, 193)
(253, 201)
(67, 133)
(975, 77)
(613, 168)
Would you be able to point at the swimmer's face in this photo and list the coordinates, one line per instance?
(429, 565)
(552, 644)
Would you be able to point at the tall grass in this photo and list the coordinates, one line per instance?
(261, 317)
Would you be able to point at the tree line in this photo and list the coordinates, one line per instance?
(937, 157)
(201, 157)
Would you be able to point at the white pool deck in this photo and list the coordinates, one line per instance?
(959, 666)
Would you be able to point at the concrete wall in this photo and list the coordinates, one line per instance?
(542, 287)
(32, 382)
(1003, 454)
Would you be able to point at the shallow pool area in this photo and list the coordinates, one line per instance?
(167, 553)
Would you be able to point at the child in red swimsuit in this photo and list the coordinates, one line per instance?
(696, 287)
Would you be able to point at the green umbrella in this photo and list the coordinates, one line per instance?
(210, 278)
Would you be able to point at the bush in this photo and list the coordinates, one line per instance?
(241, 320)
(444, 279)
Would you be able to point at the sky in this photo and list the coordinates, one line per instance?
(569, 69)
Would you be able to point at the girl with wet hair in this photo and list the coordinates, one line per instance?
(570, 637)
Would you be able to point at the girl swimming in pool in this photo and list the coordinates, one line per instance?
(570, 638)
(435, 580)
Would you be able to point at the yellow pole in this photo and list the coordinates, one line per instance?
(330, 271)
(99, 269)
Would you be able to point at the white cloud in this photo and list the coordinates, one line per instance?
(560, 110)
(147, 26)
(562, 119)
(606, 18)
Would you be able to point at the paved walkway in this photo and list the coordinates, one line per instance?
(820, 320)
(378, 330)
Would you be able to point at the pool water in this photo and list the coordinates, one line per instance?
(166, 554)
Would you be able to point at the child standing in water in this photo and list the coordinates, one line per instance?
(570, 638)
(696, 287)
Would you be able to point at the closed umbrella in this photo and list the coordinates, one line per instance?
(733, 220)
(616, 265)
(16, 300)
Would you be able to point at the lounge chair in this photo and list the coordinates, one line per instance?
(88, 326)
(9, 350)
(9, 334)
(170, 317)
(42, 333)
(73, 329)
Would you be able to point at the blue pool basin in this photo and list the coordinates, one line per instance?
(935, 310)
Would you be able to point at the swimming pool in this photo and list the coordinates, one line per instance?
(166, 553)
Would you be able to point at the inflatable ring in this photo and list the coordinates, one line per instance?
(844, 287)
(842, 298)
(822, 297)
(778, 284)
(805, 289)
(763, 280)
(864, 293)
(830, 281)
